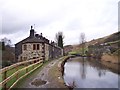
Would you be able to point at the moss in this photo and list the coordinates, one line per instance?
(70, 53)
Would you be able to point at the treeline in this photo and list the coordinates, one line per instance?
(8, 52)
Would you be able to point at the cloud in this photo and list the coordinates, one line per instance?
(74, 25)
(96, 18)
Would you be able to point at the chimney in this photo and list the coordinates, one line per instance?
(40, 34)
(37, 35)
(41, 37)
(32, 32)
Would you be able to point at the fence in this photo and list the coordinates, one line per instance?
(12, 74)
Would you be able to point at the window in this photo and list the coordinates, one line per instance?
(25, 47)
(21, 58)
(34, 47)
(38, 47)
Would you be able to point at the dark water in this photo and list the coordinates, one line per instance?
(84, 73)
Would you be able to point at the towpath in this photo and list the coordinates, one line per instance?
(47, 76)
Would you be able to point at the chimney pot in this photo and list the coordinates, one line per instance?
(32, 32)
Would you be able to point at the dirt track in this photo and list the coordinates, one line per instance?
(47, 76)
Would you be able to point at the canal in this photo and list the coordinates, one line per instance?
(81, 72)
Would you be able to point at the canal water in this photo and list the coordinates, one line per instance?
(84, 73)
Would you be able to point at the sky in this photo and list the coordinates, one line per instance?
(95, 18)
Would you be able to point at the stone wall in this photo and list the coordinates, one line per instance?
(46, 51)
(29, 53)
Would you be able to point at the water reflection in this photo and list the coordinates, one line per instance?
(83, 69)
(99, 67)
(84, 73)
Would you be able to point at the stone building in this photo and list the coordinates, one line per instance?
(67, 49)
(36, 46)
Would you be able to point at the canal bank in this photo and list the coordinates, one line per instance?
(112, 66)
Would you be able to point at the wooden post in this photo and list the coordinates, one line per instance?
(26, 70)
(5, 76)
(33, 65)
(17, 73)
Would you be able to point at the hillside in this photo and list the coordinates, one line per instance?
(108, 44)
(113, 38)
(110, 38)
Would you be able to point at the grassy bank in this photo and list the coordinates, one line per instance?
(21, 71)
(110, 58)
(31, 75)
(10, 72)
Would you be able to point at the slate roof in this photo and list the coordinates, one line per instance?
(33, 40)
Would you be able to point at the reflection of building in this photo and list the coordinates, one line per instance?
(36, 46)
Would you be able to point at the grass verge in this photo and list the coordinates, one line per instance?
(21, 82)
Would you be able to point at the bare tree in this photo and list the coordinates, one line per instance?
(82, 42)
(6, 41)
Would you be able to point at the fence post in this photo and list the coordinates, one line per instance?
(4, 77)
(33, 64)
(26, 70)
(17, 73)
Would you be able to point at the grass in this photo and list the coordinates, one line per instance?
(23, 72)
(114, 42)
(78, 51)
(10, 72)
(9, 83)
(32, 74)
(70, 53)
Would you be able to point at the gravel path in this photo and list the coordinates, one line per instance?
(41, 78)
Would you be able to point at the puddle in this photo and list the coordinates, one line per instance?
(42, 74)
(38, 82)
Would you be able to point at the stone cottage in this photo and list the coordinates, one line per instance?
(36, 46)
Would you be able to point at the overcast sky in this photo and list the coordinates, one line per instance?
(96, 18)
